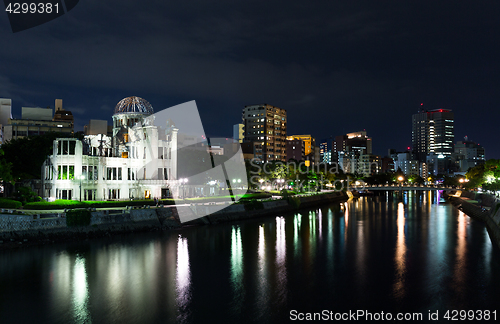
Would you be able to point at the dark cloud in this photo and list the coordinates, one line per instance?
(335, 66)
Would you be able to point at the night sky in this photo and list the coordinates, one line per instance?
(335, 66)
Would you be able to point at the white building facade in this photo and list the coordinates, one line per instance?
(138, 161)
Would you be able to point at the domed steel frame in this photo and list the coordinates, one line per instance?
(134, 105)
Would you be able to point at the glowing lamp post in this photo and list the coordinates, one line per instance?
(235, 181)
(400, 178)
(183, 182)
(81, 178)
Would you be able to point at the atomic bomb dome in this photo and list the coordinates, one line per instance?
(135, 105)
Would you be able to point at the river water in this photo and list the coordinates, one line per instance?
(389, 253)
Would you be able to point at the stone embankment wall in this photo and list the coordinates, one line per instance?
(487, 209)
(236, 212)
(20, 228)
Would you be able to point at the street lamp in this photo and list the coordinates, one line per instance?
(400, 178)
(82, 176)
(280, 183)
(183, 182)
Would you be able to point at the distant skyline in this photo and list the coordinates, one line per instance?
(335, 67)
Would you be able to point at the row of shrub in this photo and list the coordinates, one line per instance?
(72, 204)
(78, 217)
(253, 205)
(9, 203)
(257, 195)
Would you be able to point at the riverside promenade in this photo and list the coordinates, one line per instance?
(34, 227)
(483, 207)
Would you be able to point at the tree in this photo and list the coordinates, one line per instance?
(5, 168)
(415, 179)
(491, 175)
(475, 176)
(26, 155)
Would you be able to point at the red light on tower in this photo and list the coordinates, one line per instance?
(408, 148)
(422, 104)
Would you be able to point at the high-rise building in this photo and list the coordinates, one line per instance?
(295, 149)
(348, 148)
(5, 115)
(38, 121)
(406, 164)
(239, 132)
(369, 164)
(432, 132)
(468, 154)
(62, 115)
(97, 126)
(309, 147)
(325, 150)
(266, 124)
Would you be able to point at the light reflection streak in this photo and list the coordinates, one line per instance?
(487, 254)
(312, 235)
(183, 278)
(281, 257)
(237, 266)
(262, 277)
(329, 240)
(320, 221)
(400, 255)
(80, 292)
(61, 283)
(346, 220)
(460, 270)
(361, 252)
(297, 220)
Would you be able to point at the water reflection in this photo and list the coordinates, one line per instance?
(183, 278)
(237, 267)
(426, 258)
(80, 292)
(346, 215)
(297, 222)
(330, 244)
(460, 269)
(262, 272)
(281, 258)
(400, 255)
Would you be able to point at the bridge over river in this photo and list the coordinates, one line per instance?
(402, 187)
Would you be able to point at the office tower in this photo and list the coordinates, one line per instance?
(357, 142)
(5, 115)
(432, 132)
(38, 121)
(295, 149)
(266, 125)
(468, 154)
(325, 150)
(62, 115)
(238, 132)
(348, 148)
(309, 147)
